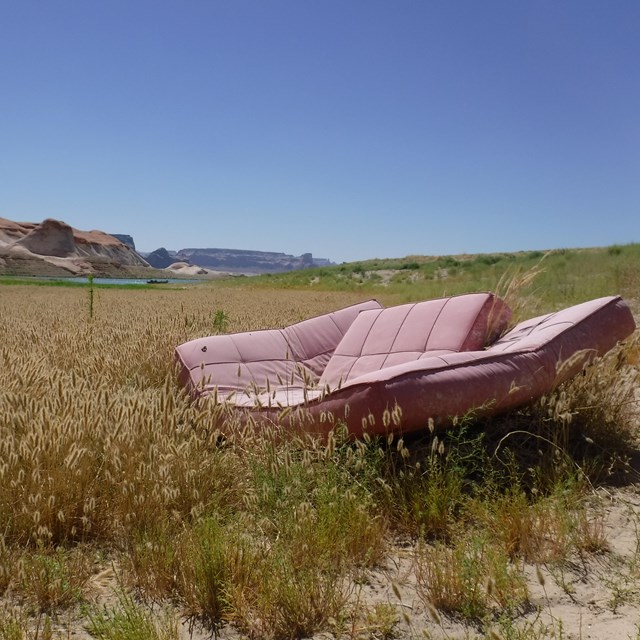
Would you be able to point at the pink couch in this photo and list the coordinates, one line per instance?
(433, 359)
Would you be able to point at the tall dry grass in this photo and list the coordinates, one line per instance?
(103, 458)
(100, 447)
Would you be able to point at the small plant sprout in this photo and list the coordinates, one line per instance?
(90, 281)
(221, 321)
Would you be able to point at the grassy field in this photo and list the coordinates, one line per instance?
(124, 512)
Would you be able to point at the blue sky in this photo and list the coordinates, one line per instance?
(351, 129)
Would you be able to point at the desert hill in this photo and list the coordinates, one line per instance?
(235, 260)
(52, 247)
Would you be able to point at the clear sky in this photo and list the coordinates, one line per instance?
(351, 129)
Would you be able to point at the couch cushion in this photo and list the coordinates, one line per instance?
(239, 361)
(313, 341)
(381, 338)
(567, 328)
(292, 358)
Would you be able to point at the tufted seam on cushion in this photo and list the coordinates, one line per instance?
(290, 351)
(395, 338)
(327, 351)
(254, 372)
(452, 324)
(246, 362)
(433, 324)
(345, 376)
(366, 337)
(316, 352)
(354, 358)
(233, 341)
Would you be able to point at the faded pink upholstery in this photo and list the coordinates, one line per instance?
(293, 357)
(382, 338)
(529, 361)
(574, 325)
(434, 359)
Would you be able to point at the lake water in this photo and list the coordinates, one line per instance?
(85, 280)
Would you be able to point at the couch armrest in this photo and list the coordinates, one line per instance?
(252, 359)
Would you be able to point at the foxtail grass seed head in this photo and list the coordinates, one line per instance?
(433, 613)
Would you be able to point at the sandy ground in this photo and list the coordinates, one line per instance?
(591, 597)
(596, 596)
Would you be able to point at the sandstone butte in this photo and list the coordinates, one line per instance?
(53, 248)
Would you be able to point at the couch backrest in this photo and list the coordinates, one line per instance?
(291, 357)
(381, 338)
(313, 341)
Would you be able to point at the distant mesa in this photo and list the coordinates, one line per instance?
(52, 247)
(125, 239)
(237, 260)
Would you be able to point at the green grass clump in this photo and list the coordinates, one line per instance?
(129, 621)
